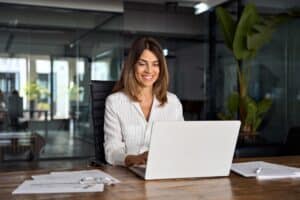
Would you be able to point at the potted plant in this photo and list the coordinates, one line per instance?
(244, 38)
(34, 93)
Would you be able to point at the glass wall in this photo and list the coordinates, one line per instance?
(49, 57)
(293, 69)
(52, 54)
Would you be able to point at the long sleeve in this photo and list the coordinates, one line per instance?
(113, 141)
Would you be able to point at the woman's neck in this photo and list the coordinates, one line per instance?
(146, 93)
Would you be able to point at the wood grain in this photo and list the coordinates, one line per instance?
(131, 187)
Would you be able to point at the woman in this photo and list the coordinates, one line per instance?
(140, 97)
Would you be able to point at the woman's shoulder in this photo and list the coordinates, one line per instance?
(117, 97)
(172, 98)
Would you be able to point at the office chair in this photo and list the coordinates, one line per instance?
(192, 109)
(99, 91)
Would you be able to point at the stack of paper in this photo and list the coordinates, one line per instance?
(264, 170)
(64, 182)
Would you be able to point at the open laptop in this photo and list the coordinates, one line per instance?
(189, 149)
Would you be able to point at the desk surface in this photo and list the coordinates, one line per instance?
(133, 188)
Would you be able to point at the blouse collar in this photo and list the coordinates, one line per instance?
(155, 104)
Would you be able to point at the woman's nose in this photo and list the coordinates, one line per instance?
(148, 68)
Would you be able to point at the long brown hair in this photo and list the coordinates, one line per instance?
(128, 82)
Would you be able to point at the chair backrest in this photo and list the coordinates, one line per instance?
(99, 91)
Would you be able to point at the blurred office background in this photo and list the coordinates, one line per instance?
(50, 50)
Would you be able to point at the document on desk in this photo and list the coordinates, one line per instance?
(39, 187)
(264, 170)
(76, 175)
(67, 181)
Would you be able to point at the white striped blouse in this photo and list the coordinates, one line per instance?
(126, 131)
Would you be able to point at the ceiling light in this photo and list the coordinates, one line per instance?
(201, 7)
(165, 52)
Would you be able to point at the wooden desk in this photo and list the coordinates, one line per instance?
(133, 188)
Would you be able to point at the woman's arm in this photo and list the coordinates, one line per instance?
(114, 145)
(140, 159)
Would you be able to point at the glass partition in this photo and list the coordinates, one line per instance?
(48, 56)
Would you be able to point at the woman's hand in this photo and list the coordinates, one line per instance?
(140, 159)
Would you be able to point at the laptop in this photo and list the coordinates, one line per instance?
(190, 149)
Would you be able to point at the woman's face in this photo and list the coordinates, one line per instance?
(147, 69)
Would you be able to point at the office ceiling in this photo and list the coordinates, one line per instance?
(187, 2)
(117, 5)
(183, 3)
(280, 4)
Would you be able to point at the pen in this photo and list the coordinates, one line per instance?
(258, 170)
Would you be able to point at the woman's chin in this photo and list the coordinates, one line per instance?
(146, 85)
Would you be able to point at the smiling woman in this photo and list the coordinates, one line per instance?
(147, 69)
(145, 51)
(140, 98)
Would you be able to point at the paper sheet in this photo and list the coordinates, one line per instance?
(276, 173)
(75, 175)
(39, 187)
(267, 170)
(65, 181)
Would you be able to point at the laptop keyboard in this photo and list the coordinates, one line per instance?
(140, 168)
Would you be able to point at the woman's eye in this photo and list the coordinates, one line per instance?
(156, 65)
(141, 64)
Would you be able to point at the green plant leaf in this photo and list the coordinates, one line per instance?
(263, 106)
(228, 26)
(233, 103)
(35, 92)
(248, 19)
(251, 110)
(261, 32)
(256, 124)
(256, 41)
(223, 116)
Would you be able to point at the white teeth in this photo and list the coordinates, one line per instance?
(147, 77)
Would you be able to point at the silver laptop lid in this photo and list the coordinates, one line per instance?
(185, 149)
